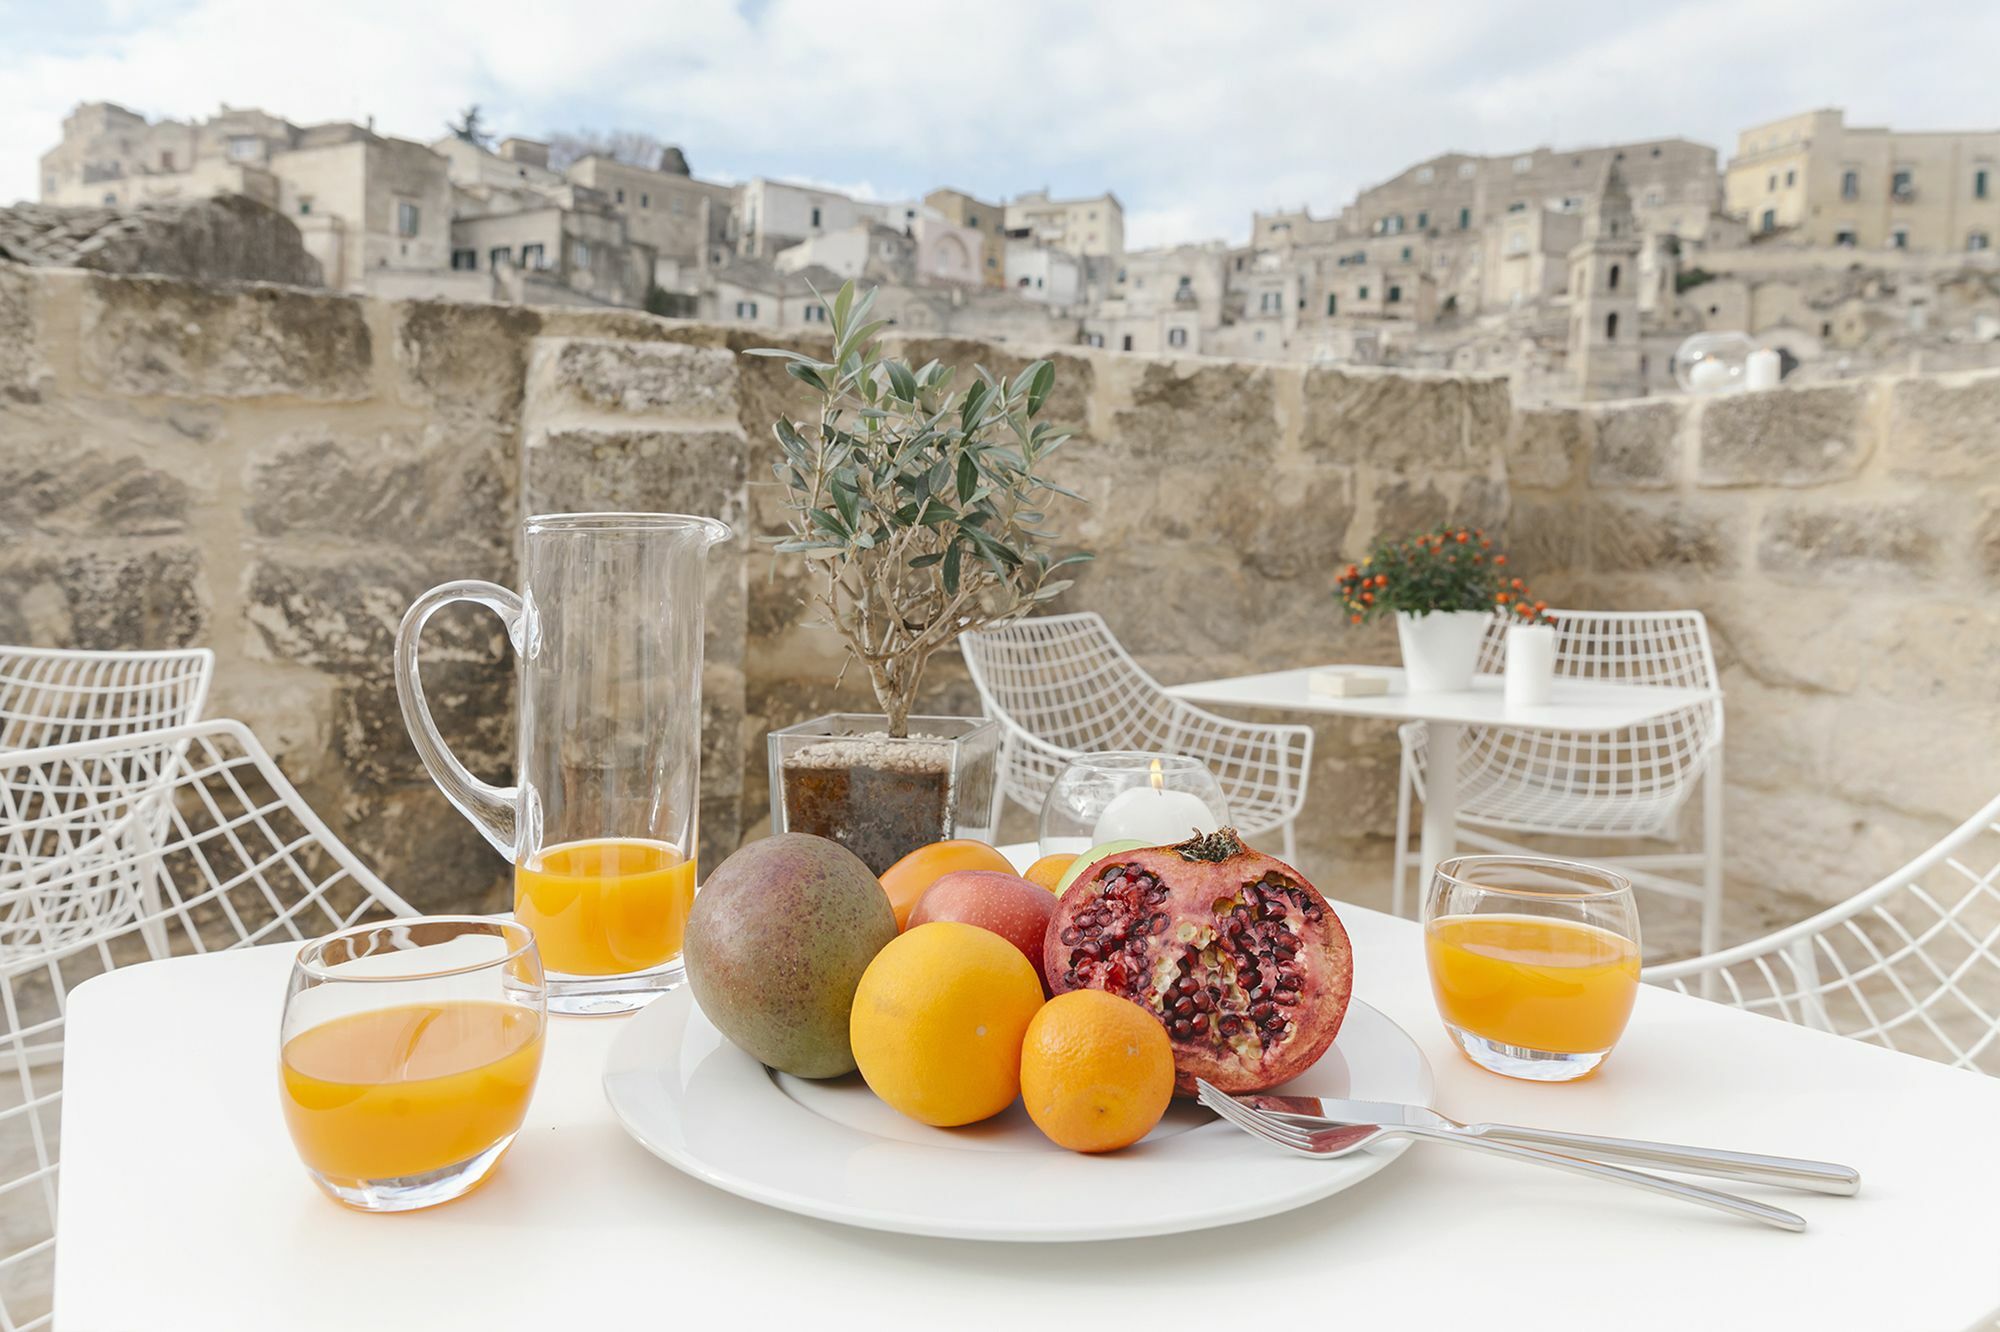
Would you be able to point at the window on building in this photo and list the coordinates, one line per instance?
(1093, 214)
(1330, 303)
(1979, 183)
(815, 314)
(1572, 204)
(465, 259)
(1406, 254)
(1900, 238)
(1611, 327)
(815, 217)
(1771, 185)
(243, 147)
(645, 200)
(1467, 170)
(305, 205)
(619, 195)
(1038, 282)
(1850, 184)
(1361, 294)
(1395, 295)
(1424, 175)
(1177, 337)
(1791, 178)
(407, 218)
(1093, 339)
(1021, 283)
(1826, 329)
(498, 256)
(1653, 199)
(991, 262)
(579, 254)
(1976, 241)
(1518, 206)
(676, 205)
(531, 257)
(1423, 221)
(1523, 165)
(1464, 218)
(1845, 236)
(972, 219)
(166, 160)
(1127, 342)
(1393, 224)
(1901, 187)
(1611, 279)
(746, 309)
(1517, 242)
(1767, 220)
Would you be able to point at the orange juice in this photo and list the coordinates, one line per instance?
(400, 1091)
(605, 908)
(1532, 981)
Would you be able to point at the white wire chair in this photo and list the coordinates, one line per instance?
(232, 856)
(1062, 685)
(1911, 963)
(57, 696)
(1621, 785)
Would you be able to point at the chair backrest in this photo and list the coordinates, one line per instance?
(1658, 762)
(1066, 682)
(116, 851)
(57, 696)
(1911, 963)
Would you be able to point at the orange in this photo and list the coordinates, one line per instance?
(1048, 871)
(938, 1020)
(911, 877)
(1097, 1071)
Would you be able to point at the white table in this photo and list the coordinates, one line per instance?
(183, 1207)
(1574, 705)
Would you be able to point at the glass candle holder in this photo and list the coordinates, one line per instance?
(1712, 363)
(1151, 799)
(1534, 963)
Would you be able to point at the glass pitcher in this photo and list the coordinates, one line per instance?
(600, 824)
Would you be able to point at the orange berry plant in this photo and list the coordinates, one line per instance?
(1449, 569)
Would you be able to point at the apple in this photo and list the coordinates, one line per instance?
(1091, 857)
(1005, 904)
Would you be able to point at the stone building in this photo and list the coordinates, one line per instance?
(988, 219)
(686, 221)
(564, 255)
(1604, 306)
(1038, 273)
(1093, 226)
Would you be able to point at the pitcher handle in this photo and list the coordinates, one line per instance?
(491, 808)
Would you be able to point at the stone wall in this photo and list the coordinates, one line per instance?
(277, 473)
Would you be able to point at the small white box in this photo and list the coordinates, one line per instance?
(1345, 684)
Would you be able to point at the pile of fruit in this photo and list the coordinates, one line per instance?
(1094, 988)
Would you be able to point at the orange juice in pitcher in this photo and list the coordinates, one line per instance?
(607, 906)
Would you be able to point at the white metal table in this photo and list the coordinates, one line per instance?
(183, 1206)
(1574, 705)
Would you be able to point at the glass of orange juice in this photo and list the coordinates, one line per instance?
(407, 1055)
(1534, 963)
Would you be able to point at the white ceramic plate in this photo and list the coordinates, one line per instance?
(831, 1150)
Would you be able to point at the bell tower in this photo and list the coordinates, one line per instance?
(1604, 297)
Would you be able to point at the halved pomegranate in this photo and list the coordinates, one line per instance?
(1233, 951)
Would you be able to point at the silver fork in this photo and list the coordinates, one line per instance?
(1340, 1141)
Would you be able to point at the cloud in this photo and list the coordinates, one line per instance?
(1193, 113)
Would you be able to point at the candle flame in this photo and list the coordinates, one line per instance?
(1159, 781)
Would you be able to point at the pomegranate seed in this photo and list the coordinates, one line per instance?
(1070, 937)
(1231, 1024)
(1158, 924)
(1181, 1028)
(1248, 979)
(1274, 1023)
(1262, 1010)
(1185, 985)
(1184, 1006)
(1288, 982)
(1204, 1001)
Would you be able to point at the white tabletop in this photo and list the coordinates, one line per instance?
(1574, 705)
(183, 1207)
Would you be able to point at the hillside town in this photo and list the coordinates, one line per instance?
(1578, 272)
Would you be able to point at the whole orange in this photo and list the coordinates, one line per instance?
(1048, 870)
(1097, 1071)
(938, 1020)
(911, 877)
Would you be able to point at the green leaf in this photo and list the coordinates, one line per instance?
(901, 381)
(1038, 388)
(848, 501)
(843, 302)
(926, 561)
(807, 374)
(1050, 591)
(968, 478)
(951, 561)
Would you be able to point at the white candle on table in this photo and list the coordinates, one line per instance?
(1152, 814)
(1761, 371)
(1531, 665)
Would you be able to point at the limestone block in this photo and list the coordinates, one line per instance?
(1548, 447)
(1986, 538)
(1402, 508)
(390, 486)
(1787, 638)
(1636, 446)
(155, 336)
(1802, 839)
(471, 702)
(339, 612)
(424, 849)
(1489, 415)
(19, 339)
(1388, 419)
(107, 595)
(1639, 536)
(1181, 412)
(637, 378)
(1546, 537)
(663, 471)
(1875, 542)
(291, 713)
(1929, 650)
(1944, 426)
(722, 755)
(64, 486)
(463, 357)
(1784, 437)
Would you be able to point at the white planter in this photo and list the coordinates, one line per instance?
(1440, 650)
(1531, 664)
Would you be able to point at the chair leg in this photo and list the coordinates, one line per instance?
(1400, 866)
(1711, 836)
(1291, 842)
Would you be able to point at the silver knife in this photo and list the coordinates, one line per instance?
(1747, 1167)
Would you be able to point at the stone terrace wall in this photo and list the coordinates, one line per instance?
(1844, 542)
(277, 473)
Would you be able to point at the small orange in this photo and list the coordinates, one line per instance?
(938, 1020)
(911, 877)
(1048, 871)
(1097, 1071)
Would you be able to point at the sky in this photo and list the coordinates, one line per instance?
(1194, 112)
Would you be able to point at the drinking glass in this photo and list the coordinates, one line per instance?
(1130, 796)
(407, 1054)
(600, 824)
(1534, 962)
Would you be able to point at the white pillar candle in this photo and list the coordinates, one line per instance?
(1531, 665)
(1761, 372)
(1153, 815)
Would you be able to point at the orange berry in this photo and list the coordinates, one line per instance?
(1368, 598)
(1486, 544)
(1499, 560)
(1462, 538)
(1502, 599)
(1355, 620)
